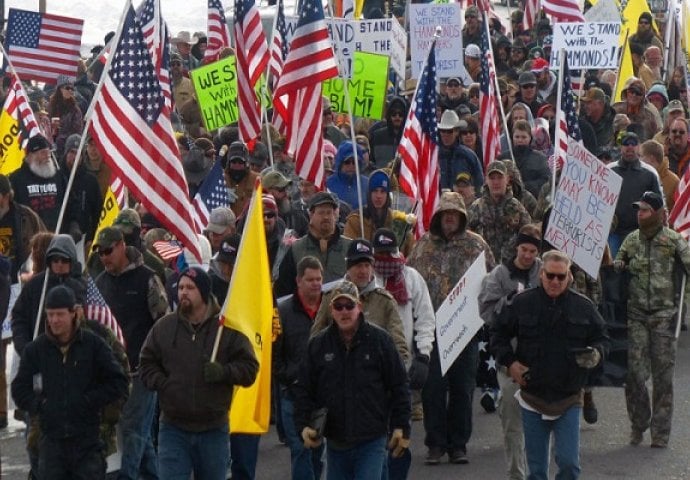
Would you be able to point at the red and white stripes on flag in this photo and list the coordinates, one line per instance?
(131, 125)
(563, 10)
(679, 218)
(119, 191)
(488, 108)
(530, 16)
(157, 40)
(17, 106)
(97, 309)
(418, 148)
(251, 53)
(218, 32)
(297, 96)
(278, 54)
(42, 46)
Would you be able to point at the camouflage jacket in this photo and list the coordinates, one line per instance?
(498, 222)
(443, 262)
(651, 262)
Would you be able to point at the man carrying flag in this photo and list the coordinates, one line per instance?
(193, 434)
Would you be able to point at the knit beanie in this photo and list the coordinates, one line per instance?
(60, 297)
(201, 280)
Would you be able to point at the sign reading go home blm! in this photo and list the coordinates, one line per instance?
(366, 88)
(583, 208)
(588, 46)
(216, 90)
(457, 319)
(424, 18)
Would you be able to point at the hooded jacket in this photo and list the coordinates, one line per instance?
(384, 140)
(26, 307)
(345, 185)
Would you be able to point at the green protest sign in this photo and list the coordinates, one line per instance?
(216, 90)
(367, 87)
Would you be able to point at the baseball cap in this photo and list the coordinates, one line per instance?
(36, 143)
(345, 289)
(385, 241)
(453, 80)
(651, 199)
(463, 178)
(274, 179)
(539, 65)
(107, 237)
(227, 252)
(127, 220)
(675, 106)
(358, 251)
(323, 198)
(238, 150)
(527, 78)
(629, 136)
(473, 51)
(496, 166)
(594, 93)
(220, 219)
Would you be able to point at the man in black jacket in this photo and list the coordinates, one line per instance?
(353, 369)
(66, 377)
(559, 337)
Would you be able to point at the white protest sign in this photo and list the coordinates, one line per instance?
(588, 46)
(424, 18)
(603, 11)
(457, 319)
(342, 33)
(383, 36)
(583, 208)
(6, 324)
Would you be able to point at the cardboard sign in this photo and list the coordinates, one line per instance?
(424, 18)
(589, 46)
(603, 11)
(367, 87)
(457, 319)
(384, 36)
(583, 208)
(216, 90)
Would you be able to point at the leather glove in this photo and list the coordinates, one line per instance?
(618, 265)
(418, 371)
(588, 359)
(397, 444)
(213, 372)
(310, 438)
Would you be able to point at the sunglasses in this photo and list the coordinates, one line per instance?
(630, 143)
(560, 276)
(340, 306)
(678, 132)
(269, 215)
(635, 92)
(60, 260)
(104, 252)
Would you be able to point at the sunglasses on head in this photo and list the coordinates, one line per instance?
(346, 305)
(559, 276)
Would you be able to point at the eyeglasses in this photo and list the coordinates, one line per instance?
(104, 252)
(678, 132)
(340, 306)
(60, 260)
(560, 276)
(397, 114)
(269, 215)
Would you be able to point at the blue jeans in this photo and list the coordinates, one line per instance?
(447, 400)
(138, 455)
(244, 451)
(566, 432)
(363, 462)
(307, 463)
(181, 452)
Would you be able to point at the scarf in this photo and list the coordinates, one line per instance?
(391, 270)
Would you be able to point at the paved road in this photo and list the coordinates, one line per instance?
(605, 451)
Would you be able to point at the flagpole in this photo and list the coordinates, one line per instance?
(498, 91)
(346, 91)
(559, 114)
(670, 23)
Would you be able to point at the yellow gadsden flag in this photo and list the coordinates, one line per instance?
(249, 309)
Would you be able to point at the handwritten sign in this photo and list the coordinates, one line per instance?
(457, 319)
(384, 36)
(424, 18)
(589, 46)
(367, 87)
(583, 208)
(216, 90)
(603, 11)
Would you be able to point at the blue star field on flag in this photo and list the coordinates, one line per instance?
(426, 99)
(568, 105)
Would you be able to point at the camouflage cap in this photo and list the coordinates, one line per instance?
(274, 179)
(107, 237)
(345, 289)
(127, 220)
(497, 166)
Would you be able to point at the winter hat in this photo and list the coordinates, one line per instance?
(379, 179)
(269, 202)
(201, 279)
(72, 142)
(61, 297)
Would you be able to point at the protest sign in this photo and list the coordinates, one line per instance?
(366, 88)
(385, 36)
(457, 319)
(603, 11)
(589, 46)
(424, 18)
(216, 90)
(583, 208)
(7, 322)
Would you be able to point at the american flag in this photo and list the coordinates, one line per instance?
(489, 111)
(218, 32)
(42, 46)
(563, 10)
(251, 54)
(132, 128)
(213, 193)
(568, 125)
(278, 54)
(297, 96)
(418, 148)
(531, 11)
(679, 218)
(17, 106)
(157, 39)
(168, 249)
(97, 309)
(119, 190)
